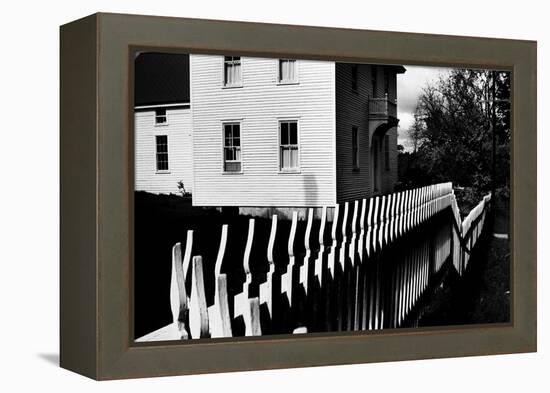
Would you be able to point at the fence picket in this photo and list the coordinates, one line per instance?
(286, 278)
(178, 294)
(198, 313)
(304, 269)
(378, 269)
(332, 253)
(266, 288)
(218, 313)
(242, 302)
(318, 271)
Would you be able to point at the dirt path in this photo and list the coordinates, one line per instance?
(482, 295)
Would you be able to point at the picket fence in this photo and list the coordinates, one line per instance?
(383, 256)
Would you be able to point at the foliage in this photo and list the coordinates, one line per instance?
(182, 190)
(452, 134)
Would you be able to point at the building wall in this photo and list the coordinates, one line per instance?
(258, 105)
(180, 151)
(352, 110)
(389, 177)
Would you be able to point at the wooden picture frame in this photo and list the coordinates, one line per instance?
(97, 183)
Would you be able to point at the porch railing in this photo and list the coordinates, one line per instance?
(382, 107)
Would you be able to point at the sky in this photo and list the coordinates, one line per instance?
(409, 88)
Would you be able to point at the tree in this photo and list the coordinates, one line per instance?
(452, 133)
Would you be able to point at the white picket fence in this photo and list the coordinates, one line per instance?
(384, 252)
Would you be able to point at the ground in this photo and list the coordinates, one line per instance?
(483, 294)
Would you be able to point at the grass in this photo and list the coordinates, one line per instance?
(482, 295)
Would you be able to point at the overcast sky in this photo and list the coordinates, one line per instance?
(409, 88)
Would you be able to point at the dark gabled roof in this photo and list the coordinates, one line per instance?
(161, 78)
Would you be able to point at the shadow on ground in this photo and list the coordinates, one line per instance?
(482, 295)
(52, 358)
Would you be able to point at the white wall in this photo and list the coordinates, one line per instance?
(29, 283)
(258, 105)
(178, 129)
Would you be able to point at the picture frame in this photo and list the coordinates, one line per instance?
(96, 171)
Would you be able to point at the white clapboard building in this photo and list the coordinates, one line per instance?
(265, 132)
(162, 123)
(273, 132)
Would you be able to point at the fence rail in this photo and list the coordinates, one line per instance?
(368, 268)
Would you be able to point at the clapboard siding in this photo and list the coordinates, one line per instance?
(180, 151)
(259, 104)
(352, 110)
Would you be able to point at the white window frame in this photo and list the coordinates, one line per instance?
(296, 79)
(162, 124)
(223, 124)
(226, 85)
(296, 169)
(160, 171)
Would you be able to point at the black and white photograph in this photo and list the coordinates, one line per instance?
(279, 196)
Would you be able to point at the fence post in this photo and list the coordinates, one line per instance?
(365, 267)
(318, 276)
(318, 271)
(178, 294)
(198, 313)
(341, 274)
(244, 306)
(331, 265)
(359, 268)
(266, 288)
(218, 313)
(286, 278)
(304, 269)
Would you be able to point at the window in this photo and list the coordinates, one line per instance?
(287, 71)
(387, 152)
(386, 82)
(232, 71)
(162, 152)
(355, 147)
(354, 70)
(232, 147)
(374, 81)
(160, 116)
(289, 154)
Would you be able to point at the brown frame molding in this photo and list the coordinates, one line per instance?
(97, 196)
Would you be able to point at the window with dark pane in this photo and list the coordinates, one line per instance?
(354, 77)
(355, 147)
(232, 71)
(386, 82)
(287, 71)
(162, 152)
(289, 154)
(160, 116)
(232, 147)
